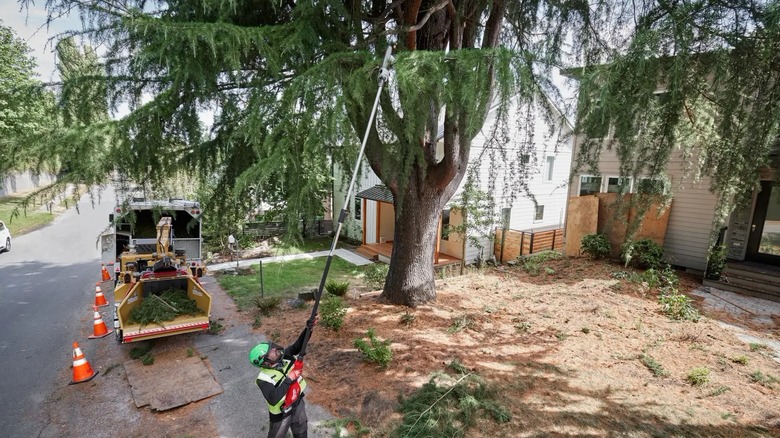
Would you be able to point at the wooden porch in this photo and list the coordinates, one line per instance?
(749, 278)
(383, 251)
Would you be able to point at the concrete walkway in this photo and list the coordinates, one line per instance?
(343, 253)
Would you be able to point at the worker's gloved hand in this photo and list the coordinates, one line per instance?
(295, 372)
(312, 322)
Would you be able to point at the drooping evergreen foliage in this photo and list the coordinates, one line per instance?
(291, 84)
(701, 77)
(25, 104)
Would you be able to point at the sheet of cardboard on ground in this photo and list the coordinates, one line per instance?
(169, 384)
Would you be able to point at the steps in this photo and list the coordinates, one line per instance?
(750, 278)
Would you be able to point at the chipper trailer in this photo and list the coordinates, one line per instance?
(153, 271)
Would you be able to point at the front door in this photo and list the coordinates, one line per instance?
(764, 242)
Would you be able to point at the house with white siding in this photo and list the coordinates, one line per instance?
(544, 153)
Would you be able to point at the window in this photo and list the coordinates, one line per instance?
(589, 185)
(618, 185)
(358, 208)
(525, 159)
(445, 224)
(550, 168)
(650, 186)
(539, 214)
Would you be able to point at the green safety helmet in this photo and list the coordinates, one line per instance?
(257, 355)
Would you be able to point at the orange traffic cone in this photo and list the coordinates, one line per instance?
(100, 330)
(100, 300)
(104, 272)
(82, 372)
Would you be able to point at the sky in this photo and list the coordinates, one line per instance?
(30, 26)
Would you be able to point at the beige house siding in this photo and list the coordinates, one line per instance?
(693, 210)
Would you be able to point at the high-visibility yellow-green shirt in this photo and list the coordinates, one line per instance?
(276, 377)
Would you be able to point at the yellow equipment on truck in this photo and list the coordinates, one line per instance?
(148, 266)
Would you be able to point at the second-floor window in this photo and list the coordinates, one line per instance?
(549, 168)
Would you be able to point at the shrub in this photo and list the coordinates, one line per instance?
(532, 263)
(698, 376)
(642, 253)
(376, 274)
(375, 350)
(332, 312)
(665, 279)
(678, 306)
(596, 245)
(408, 319)
(336, 288)
(268, 304)
(716, 262)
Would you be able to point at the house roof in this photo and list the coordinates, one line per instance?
(377, 193)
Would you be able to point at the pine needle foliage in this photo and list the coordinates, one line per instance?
(162, 307)
(291, 86)
(449, 405)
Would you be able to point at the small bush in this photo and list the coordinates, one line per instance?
(596, 245)
(332, 312)
(336, 288)
(408, 319)
(762, 379)
(756, 346)
(653, 365)
(376, 274)
(460, 323)
(678, 306)
(532, 263)
(375, 350)
(742, 360)
(268, 304)
(698, 376)
(643, 254)
(716, 262)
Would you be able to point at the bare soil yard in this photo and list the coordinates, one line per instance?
(571, 352)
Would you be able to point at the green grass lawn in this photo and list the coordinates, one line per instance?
(308, 245)
(286, 278)
(24, 222)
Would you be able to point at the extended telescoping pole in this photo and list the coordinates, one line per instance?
(384, 75)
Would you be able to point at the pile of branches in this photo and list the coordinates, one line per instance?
(166, 306)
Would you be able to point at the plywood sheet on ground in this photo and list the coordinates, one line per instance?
(168, 384)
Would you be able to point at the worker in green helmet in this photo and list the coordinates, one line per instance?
(282, 384)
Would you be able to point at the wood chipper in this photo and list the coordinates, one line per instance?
(157, 291)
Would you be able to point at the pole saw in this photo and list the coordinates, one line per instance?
(384, 74)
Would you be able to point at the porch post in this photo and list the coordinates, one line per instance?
(438, 243)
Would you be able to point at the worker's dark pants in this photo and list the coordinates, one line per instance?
(296, 422)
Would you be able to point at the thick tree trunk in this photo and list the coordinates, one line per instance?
(410, 280)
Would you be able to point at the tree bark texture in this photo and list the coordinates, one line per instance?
(422, 192)
(410, 279)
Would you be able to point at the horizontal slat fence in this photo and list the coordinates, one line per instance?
(519, 243)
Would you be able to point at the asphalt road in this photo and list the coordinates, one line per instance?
(47, 288)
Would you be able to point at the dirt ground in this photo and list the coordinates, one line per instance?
(565, 349)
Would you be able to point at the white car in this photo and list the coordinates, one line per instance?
(5, 238)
